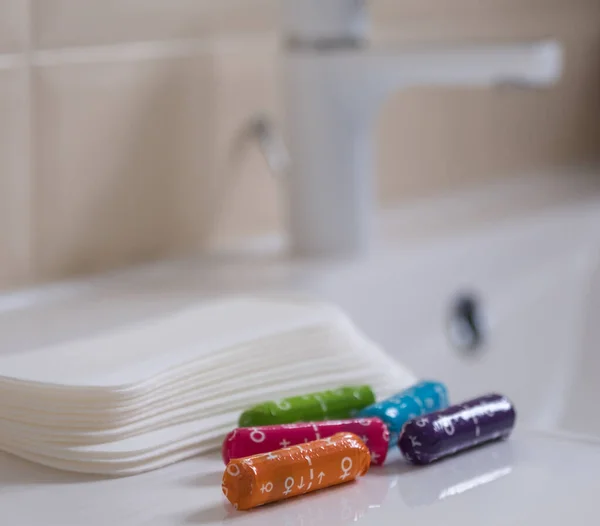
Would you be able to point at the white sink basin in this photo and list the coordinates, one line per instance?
(539, 295)
(534, 282)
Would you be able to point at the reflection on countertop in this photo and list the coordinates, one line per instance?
(452, 477)
(336, 506)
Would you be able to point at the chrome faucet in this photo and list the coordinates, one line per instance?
(334, 85)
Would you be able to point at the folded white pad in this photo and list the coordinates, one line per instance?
(145, 396)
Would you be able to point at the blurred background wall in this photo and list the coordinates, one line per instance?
(116, 118)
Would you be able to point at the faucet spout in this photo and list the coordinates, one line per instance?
(331, 98)
(379, 74)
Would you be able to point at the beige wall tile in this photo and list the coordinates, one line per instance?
(427, 139)
(124, 162)
(247, 85)
(92, 22)
(393, 12)
(14, 25)
(15, 210)
(500, 132)
(553, 127)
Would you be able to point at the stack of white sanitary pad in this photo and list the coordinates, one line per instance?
(152, 394)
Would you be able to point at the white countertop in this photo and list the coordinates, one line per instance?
(529, 477)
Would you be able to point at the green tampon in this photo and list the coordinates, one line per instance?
(327, 405)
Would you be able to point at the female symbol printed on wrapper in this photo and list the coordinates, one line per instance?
(257, 436)
(289, 485)
(346, 467)
(448, 426)
(284, 405)
(233, 472)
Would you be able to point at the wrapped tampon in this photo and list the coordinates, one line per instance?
(462, 426)
(327, 405)
(420, 399)
(253, 481)
(247, 441)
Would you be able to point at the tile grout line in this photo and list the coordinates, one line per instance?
(131, 51)
(31, 163)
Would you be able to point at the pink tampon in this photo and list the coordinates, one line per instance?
(246, 441)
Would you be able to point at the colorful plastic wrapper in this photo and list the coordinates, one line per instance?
(247, 441)
(443, 433)
(395, 411)
(352, 503)
(327, 405)
(253, 481)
